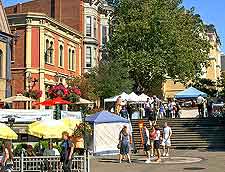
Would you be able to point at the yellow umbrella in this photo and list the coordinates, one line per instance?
(48, 129)
(7, 133)
(71, 123)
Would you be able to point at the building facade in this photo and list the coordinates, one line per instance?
(91, 17)
(5, 55)
(213, 70)
(47, 52)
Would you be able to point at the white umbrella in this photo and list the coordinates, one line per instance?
(124, 96)
(18, 98)
(84, 101)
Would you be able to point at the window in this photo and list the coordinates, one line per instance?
(53, 8)
(51, 52)
(73, 60)
(95, 28)
(61, 56)
(104, 35)
(69, 59)
(88, 26)
(88, 56)
(46, 50)
(1, 64)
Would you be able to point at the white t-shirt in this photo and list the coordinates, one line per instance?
(157, 135)
(51, 152)
(200, 100)
(166, 132)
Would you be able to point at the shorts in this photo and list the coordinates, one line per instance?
(124, 149)
(157, 144)
(151, 143)
(166, 142)
(147, 147)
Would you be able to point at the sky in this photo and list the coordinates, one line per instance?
(211, 11)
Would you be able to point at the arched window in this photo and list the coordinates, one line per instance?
(51, 52)
(61, 56)
(1, 64)
(73, 60)
(69, 58)
(46, 51)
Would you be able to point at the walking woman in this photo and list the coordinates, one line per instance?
(7, 158)
(125, 140)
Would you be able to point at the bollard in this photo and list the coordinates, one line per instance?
(21, 162)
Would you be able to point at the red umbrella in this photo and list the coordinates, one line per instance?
(60, 101)
(46, 103)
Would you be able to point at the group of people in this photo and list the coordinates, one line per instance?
(152, 139)
(154, 109)
(66, 153)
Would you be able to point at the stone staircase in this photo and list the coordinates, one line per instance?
(189, 133)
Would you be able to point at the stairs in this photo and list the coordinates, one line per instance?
(189, 133)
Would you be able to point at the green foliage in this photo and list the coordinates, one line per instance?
(18, 149)
(110, 79)
(157, 39)
(207, 86)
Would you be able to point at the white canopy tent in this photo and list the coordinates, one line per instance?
(107, 127)
(124, 97)
(133, 97)
(143, 97)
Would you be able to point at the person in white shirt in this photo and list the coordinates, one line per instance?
(157, 143)
(200, 102)
(166, 143)
(51, 151)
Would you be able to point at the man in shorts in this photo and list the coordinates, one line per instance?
(166, 143)
(146, 142)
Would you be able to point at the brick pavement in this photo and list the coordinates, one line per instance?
(213, 161)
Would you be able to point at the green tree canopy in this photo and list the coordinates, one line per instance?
(157, 39)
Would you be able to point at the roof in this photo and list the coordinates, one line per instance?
(191, 92)
(105, 117)
(4, 25)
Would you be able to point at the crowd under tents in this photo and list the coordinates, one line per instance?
(107, 127)
(190, 93)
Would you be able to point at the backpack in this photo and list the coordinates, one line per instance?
(153, 134)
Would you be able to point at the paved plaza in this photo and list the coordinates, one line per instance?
(179, 161)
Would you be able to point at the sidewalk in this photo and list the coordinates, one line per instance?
(211, 161)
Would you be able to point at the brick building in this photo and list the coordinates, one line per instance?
(87, 16)
(47, 52)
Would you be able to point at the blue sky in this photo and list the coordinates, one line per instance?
(212, 12)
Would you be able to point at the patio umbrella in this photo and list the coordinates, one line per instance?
(18, 98)
(49, 129)
(7, 133)
(71, 123)
(84, 101)
(60, 101)
(46, 103)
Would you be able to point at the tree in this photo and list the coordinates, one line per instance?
(110, 79)
(157, 39)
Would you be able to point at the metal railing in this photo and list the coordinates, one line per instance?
(49, 164)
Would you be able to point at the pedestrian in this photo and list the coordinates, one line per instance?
(200, 102)
(118, 105)
(67, 152)
(177, 110)
(147, 107)
(152, 135)
(125, 140)
(166, 143)
(157, 144)
(124, 113)
(209, 108)
(161, 111)
(170, 109)
(146, 143)
(51, 151)
(7, 157)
